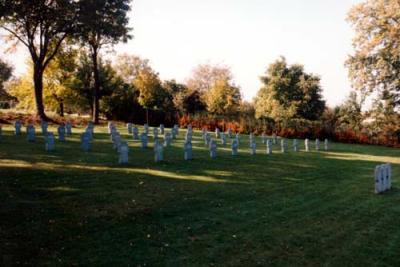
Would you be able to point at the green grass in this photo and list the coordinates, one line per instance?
(299, 209)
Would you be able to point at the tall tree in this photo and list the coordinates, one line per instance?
(41, 26)
(375, 64)
(223, 98)
(102, 23)
(289, 92)
(204, 77)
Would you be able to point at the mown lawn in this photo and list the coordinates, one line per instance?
(296, 209)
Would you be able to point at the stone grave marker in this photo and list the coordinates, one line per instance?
(162, 129)
(317, 144)
(44, 125)
(61, 133)
(213, 149)
(295, 145)
(306, 144)
(135, 132)
(144, 140)
(253, 147)
(158, 152)
(326, 144)
(167, 139)
(234, 147)
(283, 145)
(49, 142)
(217, 132)
(223, 139)
(188, 150)
(269, 146)
(237, 137)
(30, 133)
(86, 146)
(123, 154)
(383, 178)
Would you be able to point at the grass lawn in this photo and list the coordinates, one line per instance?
(313, 208)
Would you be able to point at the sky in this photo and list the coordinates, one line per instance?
(247, 35)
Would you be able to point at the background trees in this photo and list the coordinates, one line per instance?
(289, 93)
(375, 64)
(101, 23)
(41, 26)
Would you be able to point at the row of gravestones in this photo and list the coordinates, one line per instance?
(62, 130)
(123, 148)
(209, 142)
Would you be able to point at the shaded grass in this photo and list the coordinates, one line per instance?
(73, 208)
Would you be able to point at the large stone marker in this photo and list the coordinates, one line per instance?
(188, 150)
(30, 133)
(49, 142)
(383, 178)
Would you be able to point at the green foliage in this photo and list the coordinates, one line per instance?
(350, 114)
(288, 92)
(151, 93)
(375, 64)
(223, 98)
(189, 102)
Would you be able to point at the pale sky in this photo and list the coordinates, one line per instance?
(247, 35)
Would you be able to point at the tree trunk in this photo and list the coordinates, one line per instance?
(61, 107)
(38, 88)
(96, 95)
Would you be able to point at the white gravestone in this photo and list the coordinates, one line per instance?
(253, 147)
(110, 126)
(144, 140)
(283, 145)
(269, 146)
(85, 142)
(188, 137)
(383, 178)
(326, 145)
(251, 138)
(213, 149)
(217, 133)
(317, 144)
(188, 151)
(162, 129)
(223, 139)
(234, 147)
(49, 145)
(307, 145)
(61, 133)
(159, 152)
(167, 139)
(295, 145)
(207, 139)
(237, 137)
(155, 132)
(123, 154)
